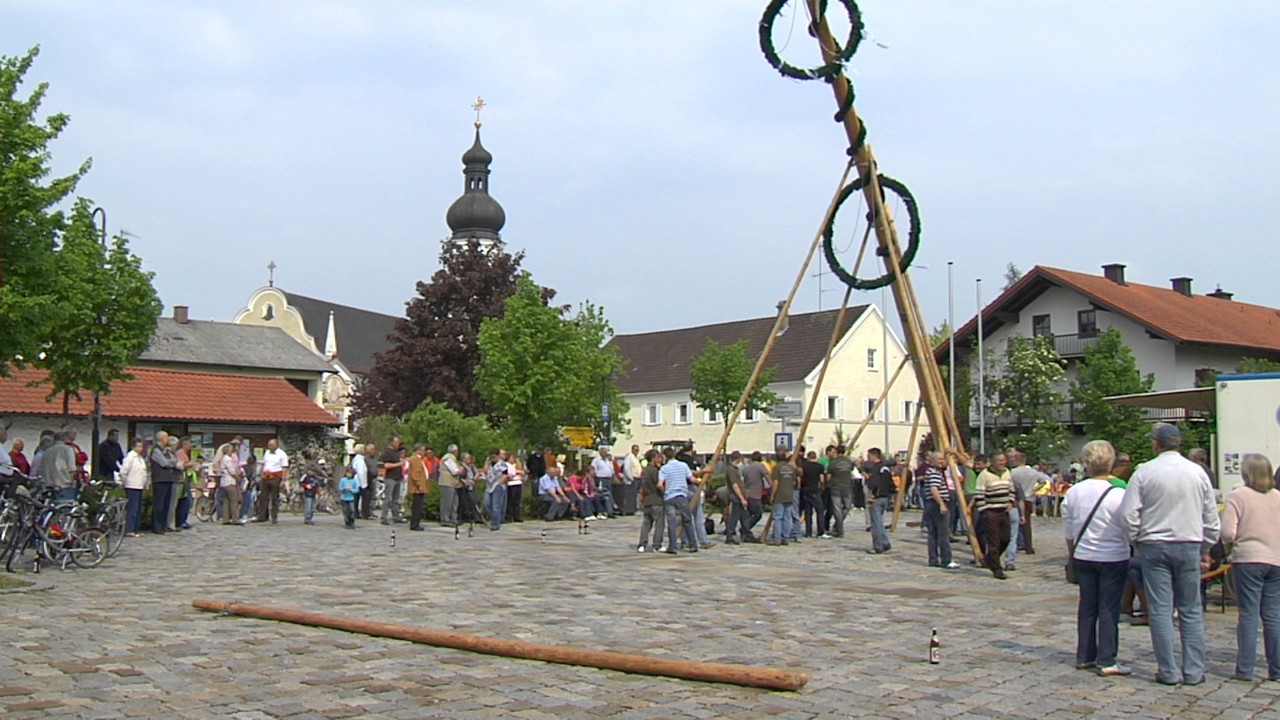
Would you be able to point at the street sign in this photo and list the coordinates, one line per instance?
(784, 440)
(583, 437)
(605, 412)
(786, 409)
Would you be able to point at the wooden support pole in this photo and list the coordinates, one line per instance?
(761, 677)
(897, 499)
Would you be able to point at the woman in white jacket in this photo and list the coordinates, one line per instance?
(134, 476)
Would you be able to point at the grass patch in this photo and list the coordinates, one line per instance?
(12, 583)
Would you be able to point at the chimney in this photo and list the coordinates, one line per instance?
(1221, 294)
(1181, 285)
(786, 323)
(1114, 272)
(180, 314)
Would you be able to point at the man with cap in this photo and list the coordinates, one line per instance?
(1170, 514)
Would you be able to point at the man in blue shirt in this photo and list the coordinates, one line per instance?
(550, 493)
(673, 481)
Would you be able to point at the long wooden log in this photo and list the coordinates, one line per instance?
(897, 498)
(761, 677)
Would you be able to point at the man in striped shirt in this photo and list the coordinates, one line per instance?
(994, 499)
(937, 502)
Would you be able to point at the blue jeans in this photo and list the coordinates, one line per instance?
(879, 536)
(604, 495)
(936, 524)
(308, 507)
(797, 527)
(161, 496)
(782, 520)
(1098, 614)
(1011, 552)
(133, 510)
(700, 523)
(246, 503)
(679, 516)
(1171, 576)
(1257, 594)
(496, 502)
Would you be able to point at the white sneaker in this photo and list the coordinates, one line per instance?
(951, 565)
(639, 548)
(661, 548)
(602, 517)
(825, 536)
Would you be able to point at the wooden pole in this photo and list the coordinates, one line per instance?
(761, 677)
(897, 500)
(928, 376)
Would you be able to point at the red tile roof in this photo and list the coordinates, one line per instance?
(1164, 311)
(173, 395)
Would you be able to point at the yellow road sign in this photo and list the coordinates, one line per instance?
(579, 436)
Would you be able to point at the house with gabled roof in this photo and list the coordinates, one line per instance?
(657, 384)
(1181, 337)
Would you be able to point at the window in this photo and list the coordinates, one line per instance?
(871, 406)
(908, 411)
(710, 417)
(683, 414)
(749, 415)
(835, 407)
(1040, 326)
(871, 359)
(653, 414)
(1087, 322)
(1205, 377)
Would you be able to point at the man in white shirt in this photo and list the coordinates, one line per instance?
(1170, 514)
(450, 480)
(631, 469)
(602, 470)
(274, 464)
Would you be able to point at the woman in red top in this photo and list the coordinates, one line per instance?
(19, 460)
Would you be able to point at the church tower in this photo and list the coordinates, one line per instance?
(476, 214)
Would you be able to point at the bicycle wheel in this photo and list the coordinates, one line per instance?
(112, 520)
(204, 508)
(87, 547)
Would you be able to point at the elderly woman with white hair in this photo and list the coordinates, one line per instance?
(1097, 543)
(1251, 523)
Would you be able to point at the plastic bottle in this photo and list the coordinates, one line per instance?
(935, 648)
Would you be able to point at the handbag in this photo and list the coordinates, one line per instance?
(1071, 556)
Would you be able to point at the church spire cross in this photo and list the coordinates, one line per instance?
(478, 105)
(271, 273)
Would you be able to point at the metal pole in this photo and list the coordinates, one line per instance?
(982, 379)
(951, 325)
(884, 359)
(97, 398)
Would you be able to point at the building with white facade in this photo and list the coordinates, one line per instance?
(657, 384)
(1181, 338)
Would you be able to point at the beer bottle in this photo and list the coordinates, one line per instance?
(935, 648)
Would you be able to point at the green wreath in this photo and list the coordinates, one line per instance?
(913, 234)
(830, 69)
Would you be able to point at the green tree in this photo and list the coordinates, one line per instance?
(103, 314)
(1251, 365)
(1012, 274)
(29, 224)
(1025, 390)
(939, 334)
(438, 425)
(1109, 368)
(720, 374)
(541, 369)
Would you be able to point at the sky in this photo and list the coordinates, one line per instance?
(647, 157)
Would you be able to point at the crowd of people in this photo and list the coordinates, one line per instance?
(1144, 533)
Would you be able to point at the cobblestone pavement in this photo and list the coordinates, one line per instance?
(123, 641)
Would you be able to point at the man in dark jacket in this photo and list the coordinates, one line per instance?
(110, 455)
(164, 473)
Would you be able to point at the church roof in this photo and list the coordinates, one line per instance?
(659, 361)
(476, 213)
(361, 333)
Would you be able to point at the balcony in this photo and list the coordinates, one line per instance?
(1072, 346)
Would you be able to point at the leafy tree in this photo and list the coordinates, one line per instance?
(540, 369)
(434, 349)
(1109, 368)
(940, 334)
(1251, 365)
(103, 315)
(1025, 389)
(720, 374)
(438, 425)
(378, 429)
(1012, 274)
(29, 226)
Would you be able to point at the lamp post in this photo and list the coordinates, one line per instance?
(606, 410)
(101, 215)
(982, 379)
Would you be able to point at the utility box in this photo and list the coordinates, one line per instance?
(1248, 422)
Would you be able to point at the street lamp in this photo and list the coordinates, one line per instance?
(606, 410)
(101, 215)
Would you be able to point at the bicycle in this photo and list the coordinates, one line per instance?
(57, 531)
(109, 513)
(205, 505)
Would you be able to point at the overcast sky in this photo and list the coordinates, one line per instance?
(647, 157)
